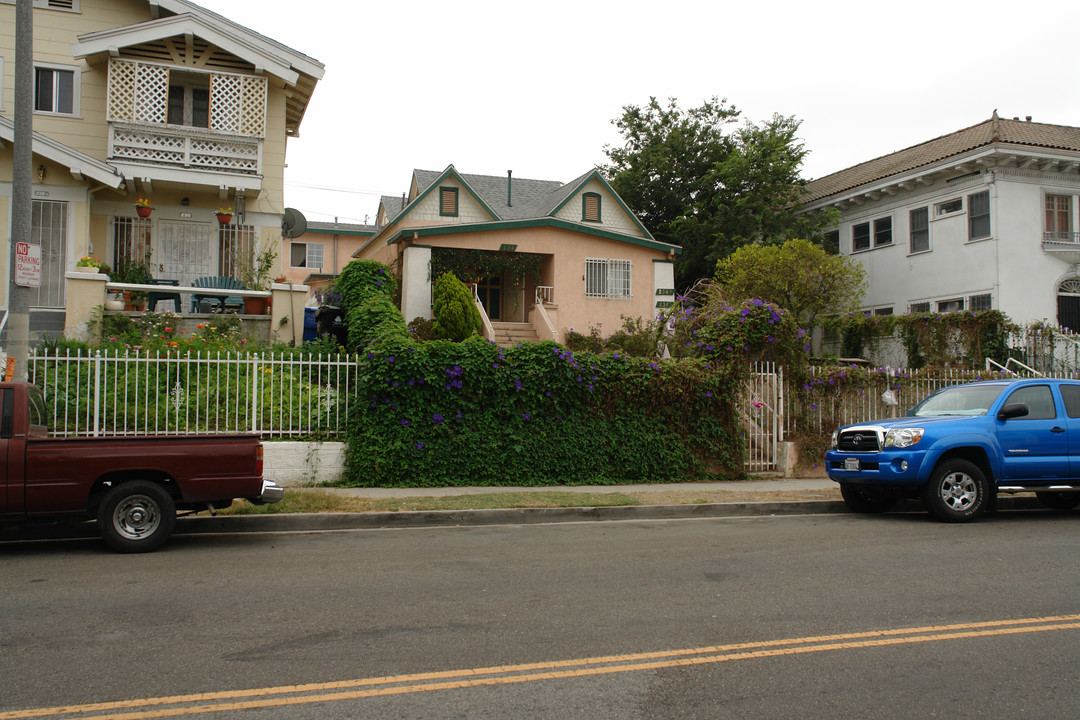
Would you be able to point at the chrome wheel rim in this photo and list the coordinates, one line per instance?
(959, 491)
(136, 517)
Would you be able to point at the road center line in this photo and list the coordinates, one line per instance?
(202, 703)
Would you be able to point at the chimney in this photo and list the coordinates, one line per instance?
(1028, 118)
(509, 173)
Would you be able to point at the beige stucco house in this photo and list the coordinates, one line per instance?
(161, 100)
(590, 262)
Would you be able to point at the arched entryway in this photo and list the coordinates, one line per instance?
(1069, 303)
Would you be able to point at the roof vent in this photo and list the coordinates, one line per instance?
(509, 173)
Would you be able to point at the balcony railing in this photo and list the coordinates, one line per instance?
(1061, 238)
(184, 147)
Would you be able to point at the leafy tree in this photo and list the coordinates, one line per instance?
(799, 276)
(456, 316)
(692, 184)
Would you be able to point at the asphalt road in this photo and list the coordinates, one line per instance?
(770, 617)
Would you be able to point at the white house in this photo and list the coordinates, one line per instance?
(982, 218)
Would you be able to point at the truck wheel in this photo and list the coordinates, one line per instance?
(136, 517)
(957, 491)
(1058, 500)
(866, 500)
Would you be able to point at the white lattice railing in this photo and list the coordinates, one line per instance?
(181, 146)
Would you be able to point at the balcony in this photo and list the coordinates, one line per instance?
(184, 148)
(1063, 245)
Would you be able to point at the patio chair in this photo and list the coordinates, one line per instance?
(216, 282)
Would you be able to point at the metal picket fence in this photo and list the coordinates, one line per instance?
(275, 396)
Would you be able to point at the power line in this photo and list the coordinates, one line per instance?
(330, 188)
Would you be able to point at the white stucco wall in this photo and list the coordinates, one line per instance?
(303, 463)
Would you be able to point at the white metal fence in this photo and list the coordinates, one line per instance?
(137, 393)
(761, 413)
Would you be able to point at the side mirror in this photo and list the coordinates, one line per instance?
(1012, 410)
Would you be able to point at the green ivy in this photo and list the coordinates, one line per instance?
(471, 266)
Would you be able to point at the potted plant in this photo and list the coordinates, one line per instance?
(135, 272)
(88, 264)
(224, 215)
(254, 271)
(114, 301)
(143, 207)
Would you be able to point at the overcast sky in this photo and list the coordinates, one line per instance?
(533, 87)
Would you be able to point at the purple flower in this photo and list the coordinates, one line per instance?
(390, 359)
(405, 423)
(419, 446)
(437, 419)
(527, 417)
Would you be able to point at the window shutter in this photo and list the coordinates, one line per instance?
(591, 208)
(448, 201)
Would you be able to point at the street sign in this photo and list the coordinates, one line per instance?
(27, 265)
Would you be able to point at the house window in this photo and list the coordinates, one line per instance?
(954, 305)
(883, 231)
(448, 201)
(920, 307)
(920, 229)
(948, 207)
(189, 99)
(590, 207)
(1058, 222)
(860, 237)
(979, 302)
(979, 215)
(883, 311)
(306, 255)
(607, 278)
(56, 90)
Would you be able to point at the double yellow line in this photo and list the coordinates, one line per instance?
(198, 704)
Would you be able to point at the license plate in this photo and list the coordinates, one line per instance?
(851, 464)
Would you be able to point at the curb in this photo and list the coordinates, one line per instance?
(307, 522)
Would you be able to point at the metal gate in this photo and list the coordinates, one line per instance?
(762, 415)
(182, 251)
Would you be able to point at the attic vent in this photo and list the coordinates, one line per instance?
(448, 201)
(590, 207)
(68, 5)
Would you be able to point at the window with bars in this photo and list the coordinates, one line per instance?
(979, 215)
(236, 247)
(448, 201)
(952, 305)
(590, 207)
(605, 278)
(1058, 220)
(920, 307)
(919, 220)
(131, 242)
(979, 302)
(56, 90)
(306, 255)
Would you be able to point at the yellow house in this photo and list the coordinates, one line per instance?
(159, 100)
(543, 257)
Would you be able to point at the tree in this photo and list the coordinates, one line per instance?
(456, 316)
(710, 192)
(799, 276)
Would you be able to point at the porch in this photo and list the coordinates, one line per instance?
(283, 320)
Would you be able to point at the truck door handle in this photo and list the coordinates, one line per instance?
(1056, 429)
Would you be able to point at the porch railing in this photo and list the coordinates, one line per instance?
(543, 297)
(186, 147)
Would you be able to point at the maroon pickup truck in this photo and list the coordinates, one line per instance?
(133, 486)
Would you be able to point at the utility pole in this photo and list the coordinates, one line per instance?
(18, 320)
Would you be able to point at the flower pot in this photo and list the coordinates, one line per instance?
(86, 269)
(114, 303)
(224, 218)
(255, 305)
(143, 211)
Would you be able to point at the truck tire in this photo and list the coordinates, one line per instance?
(136, 517)
(1056, 500)
(956, 492)
(862, 499)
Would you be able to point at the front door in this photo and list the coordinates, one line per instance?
(1034, 446)
(182, 251)
(48, 228)
(490, 291)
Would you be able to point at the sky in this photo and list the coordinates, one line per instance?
(534, 87)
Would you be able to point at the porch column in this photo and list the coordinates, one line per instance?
(416, 283)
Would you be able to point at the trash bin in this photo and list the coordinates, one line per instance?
(329, 321)
(310, 331)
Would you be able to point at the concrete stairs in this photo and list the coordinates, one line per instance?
(510, 334)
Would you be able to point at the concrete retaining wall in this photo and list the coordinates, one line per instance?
(303, 463)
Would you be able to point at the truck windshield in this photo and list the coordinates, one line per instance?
(960, 400)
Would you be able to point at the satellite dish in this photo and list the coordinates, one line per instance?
(293, 223)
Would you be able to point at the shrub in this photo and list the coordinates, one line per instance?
(374, 319)
(456, 316)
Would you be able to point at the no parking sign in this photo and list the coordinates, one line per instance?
(27, 265)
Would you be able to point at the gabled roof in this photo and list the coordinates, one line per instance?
(423, 189)
(392, 205)
(179, 18)
(333, 228)
(81, 165)
(995, 131)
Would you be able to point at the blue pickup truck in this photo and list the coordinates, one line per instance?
(962, 446)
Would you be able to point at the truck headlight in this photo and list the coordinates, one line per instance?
(903, 437)
(835, 435)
